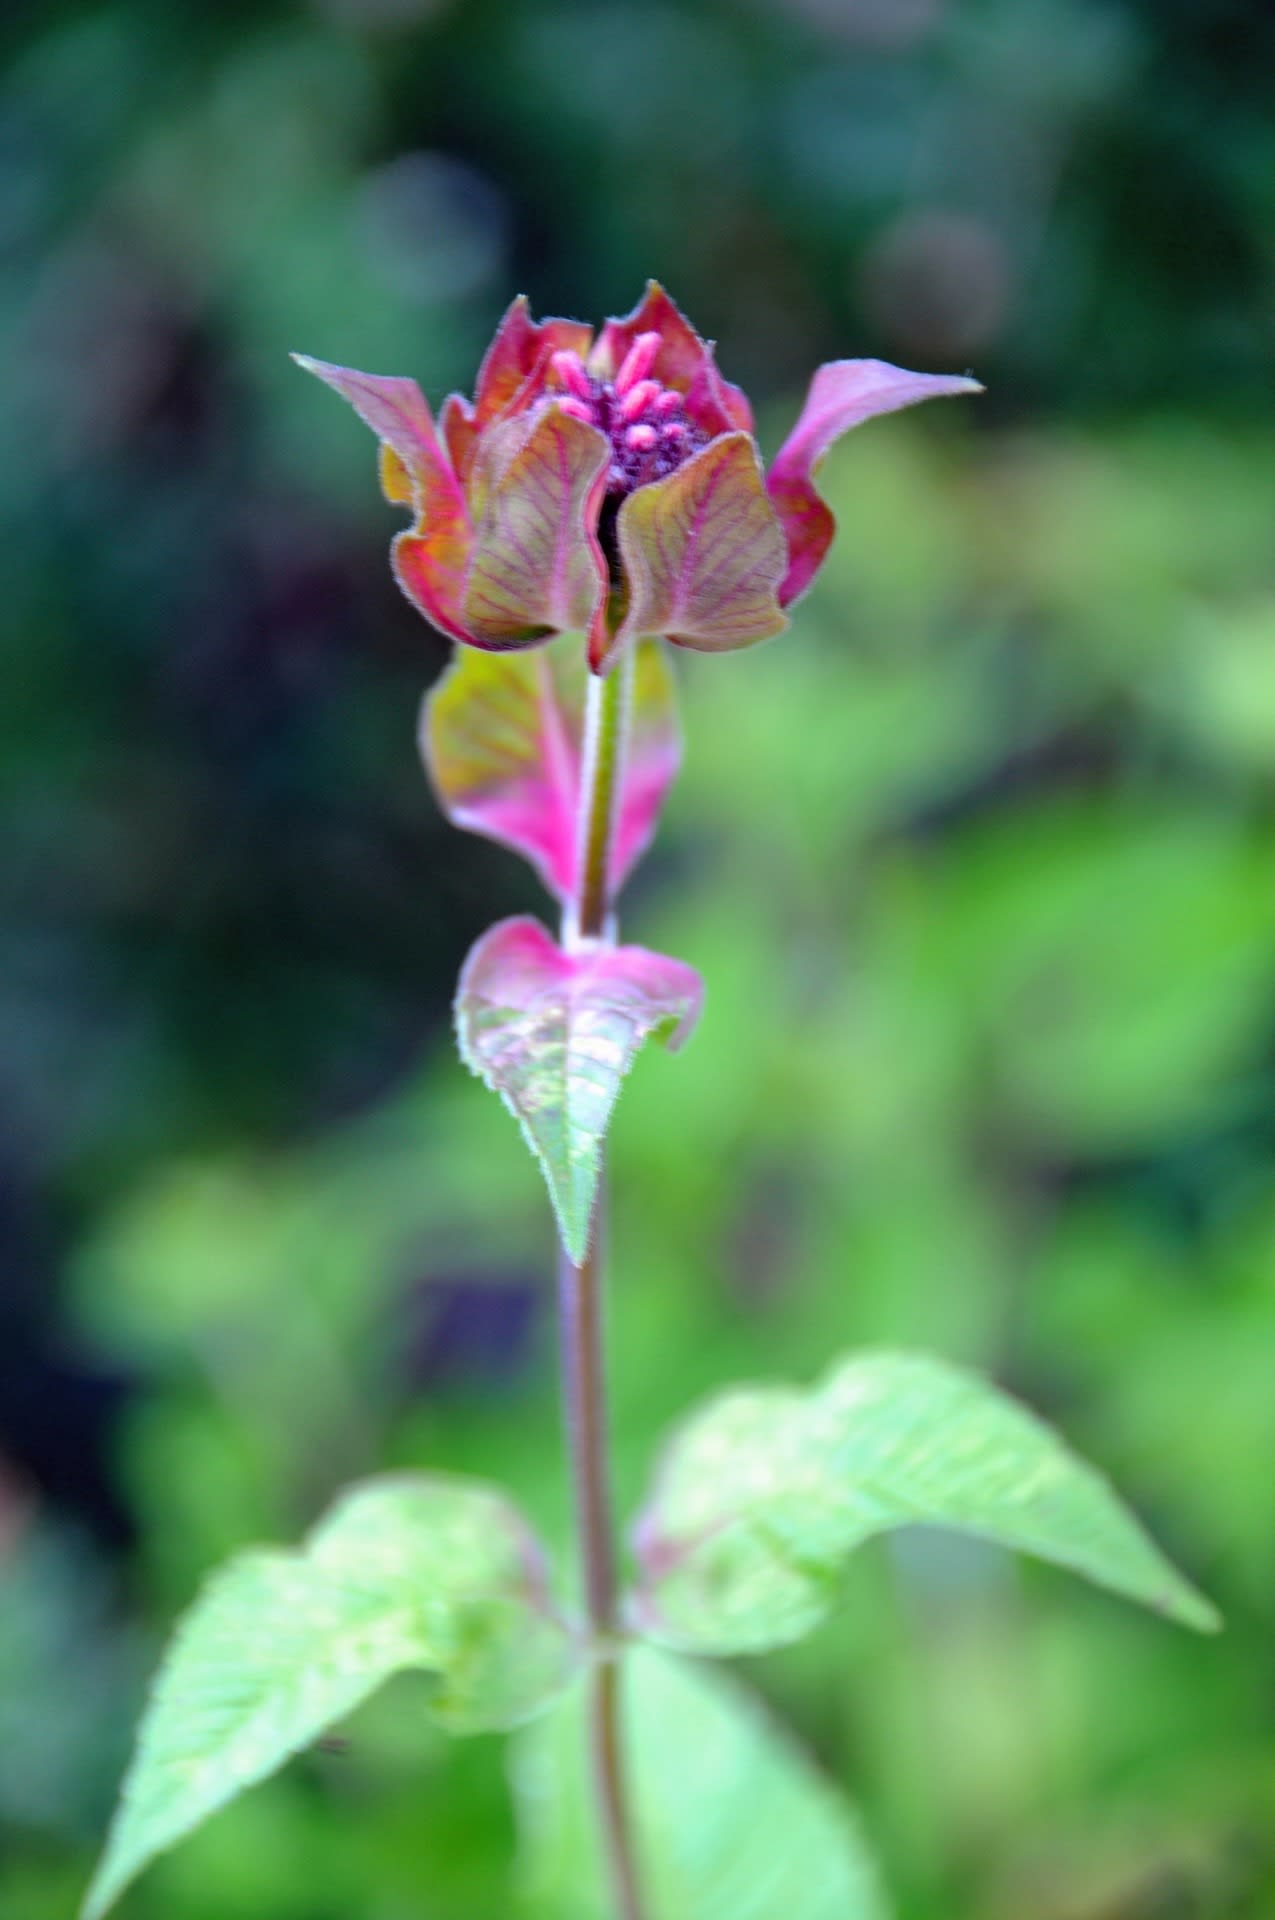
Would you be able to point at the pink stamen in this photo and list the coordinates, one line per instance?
(641, 438)
(673, 431)
(578, 409)
(637, 362)
(570, 370)
(638, 398)
(668, 402)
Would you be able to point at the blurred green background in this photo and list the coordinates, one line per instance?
(978, 862)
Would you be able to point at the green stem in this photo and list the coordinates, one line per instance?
(580, 1305)
(606, 723)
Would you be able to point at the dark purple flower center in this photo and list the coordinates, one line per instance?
(646, 423)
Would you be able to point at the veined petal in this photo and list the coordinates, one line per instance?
(681, 353)
(519, 350)
(703, 553)
(537, 567)
(431, 562)
(842, 395)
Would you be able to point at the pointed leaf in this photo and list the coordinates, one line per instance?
(763, 1494)
(703, 552)
(843, 394)
(554, 1032)
(537, 566)
(391, 404)
(408, 1572)
(733, 1821)
(502, 737)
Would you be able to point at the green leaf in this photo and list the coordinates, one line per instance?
(554, 1031)
(406, 1572)
(733, 1821)
(763, 1494)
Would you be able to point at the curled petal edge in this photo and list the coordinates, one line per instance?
(843, 394)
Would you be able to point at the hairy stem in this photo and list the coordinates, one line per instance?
(606, 727)
(580, 1305)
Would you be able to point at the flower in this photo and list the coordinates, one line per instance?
(611, 486)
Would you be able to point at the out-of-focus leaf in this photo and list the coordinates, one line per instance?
(502, 738)
(765, 1491)
(554, 1032)
(409, 1572)
(733, 1821)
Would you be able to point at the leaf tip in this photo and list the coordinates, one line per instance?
(1190, 1608)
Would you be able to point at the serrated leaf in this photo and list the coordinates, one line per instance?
(762, 1495)
(411, 1572)
(502, 738)
(554, 1032)
(733, 1821)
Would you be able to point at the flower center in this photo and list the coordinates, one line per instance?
(645, 423)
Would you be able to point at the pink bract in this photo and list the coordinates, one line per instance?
(611, 486)
(502, 736)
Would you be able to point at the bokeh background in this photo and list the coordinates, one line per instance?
(978, 861)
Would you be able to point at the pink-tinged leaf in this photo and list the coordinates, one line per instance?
(843, 394)
(681, 352)
(537, 567)
(392, 405)
(703, 553)
(519, 351)
(555, 1032)
(432, 561)
(502, 737)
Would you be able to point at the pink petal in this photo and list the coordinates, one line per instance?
(537, 566)
(393, 406)
(842, 395)
(681, 352)
(703, 553)
(714, 404)
(430, 562)
(521, 350)
(502, 737)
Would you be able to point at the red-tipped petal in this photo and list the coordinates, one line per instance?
(520, 349)
(430, 562)
(703, 553)
(842, 395)
(681, 352)
(537, 567)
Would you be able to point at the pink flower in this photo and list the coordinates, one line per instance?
(611, 486)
